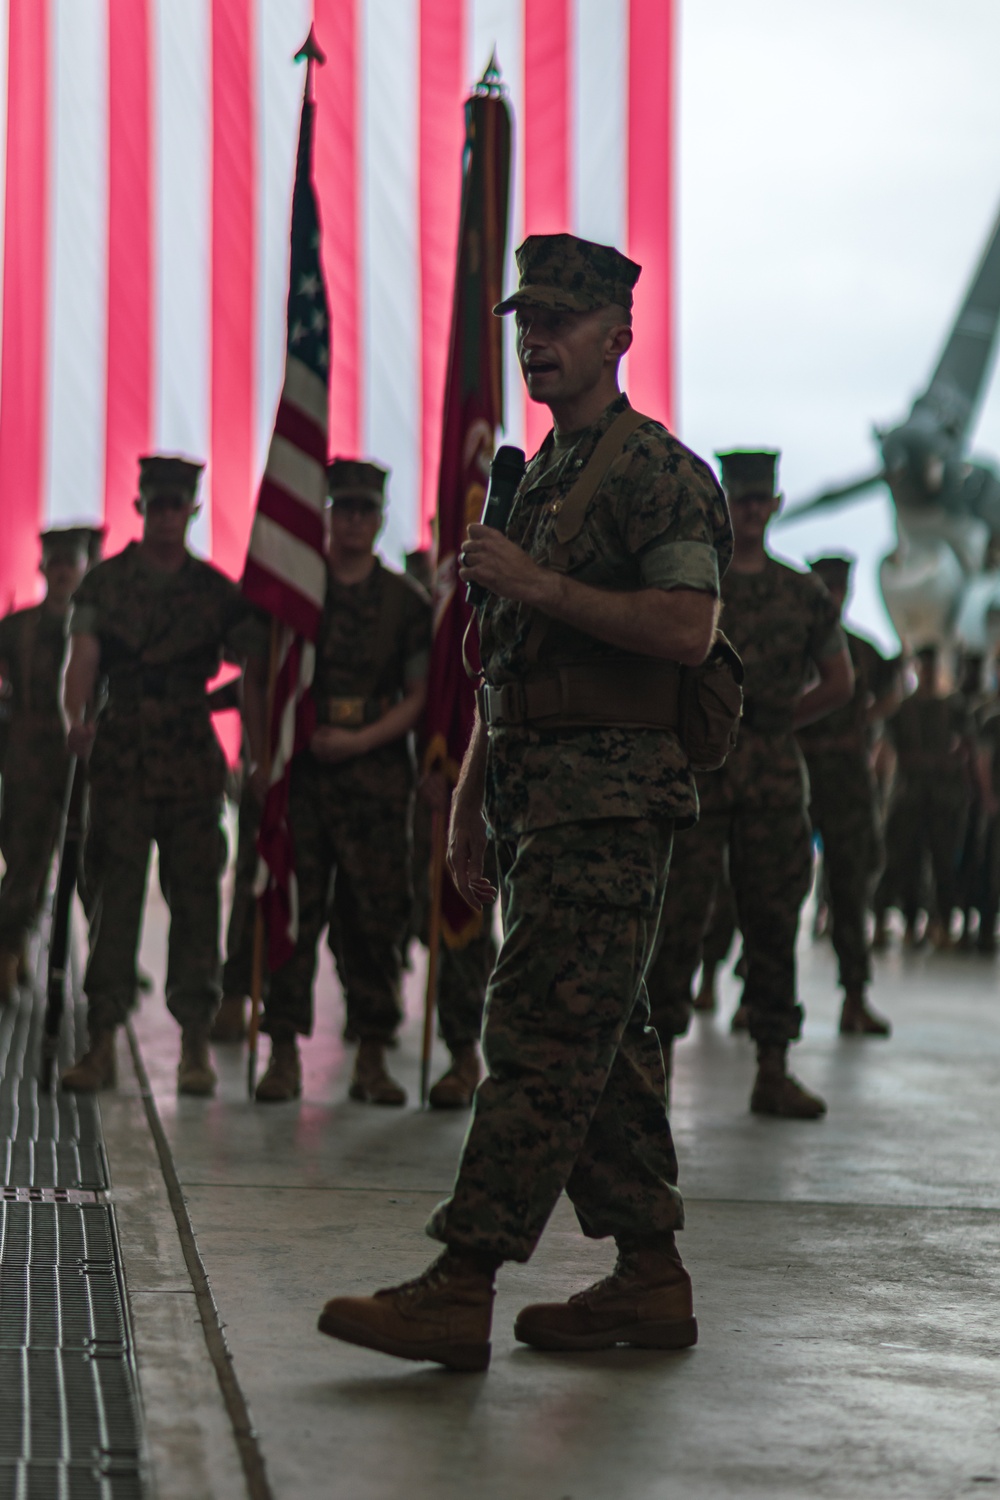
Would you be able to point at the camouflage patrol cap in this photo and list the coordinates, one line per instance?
(834, 571)
(353, 476)
(567, 274)
(68, 541)
(749, 473)
(168, 471)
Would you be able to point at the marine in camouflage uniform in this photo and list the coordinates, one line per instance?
(988, 742)
(933, 736)
(351, 796)
(786, 629)
(157, 634)
(843, 806)
(583, 815)
(32, 651)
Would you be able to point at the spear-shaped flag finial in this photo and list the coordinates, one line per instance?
(311, 49)
(491, 85)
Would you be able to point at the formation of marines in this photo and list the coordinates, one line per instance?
(620, 872)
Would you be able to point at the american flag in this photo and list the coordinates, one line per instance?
(147, 154)
(285, 571)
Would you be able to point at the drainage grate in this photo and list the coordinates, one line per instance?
(37, 1481)
(42, 1234)
(61, 1307)
(62, 1407)
(66, 1164)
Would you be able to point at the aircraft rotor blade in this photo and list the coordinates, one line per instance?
(838, 496)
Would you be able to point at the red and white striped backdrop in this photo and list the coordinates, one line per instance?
(147, 151)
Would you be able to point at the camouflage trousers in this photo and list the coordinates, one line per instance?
(925, 821)
(463, 973)
(358, 845)
(770, 860)
(192, 854)
(30, 814)
(843, 810)
(575, 1095)
(236, 971)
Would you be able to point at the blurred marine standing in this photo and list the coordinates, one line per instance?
(786, 629)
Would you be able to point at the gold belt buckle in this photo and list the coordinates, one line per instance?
(348, 713)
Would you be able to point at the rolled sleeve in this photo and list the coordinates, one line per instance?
(681, 565)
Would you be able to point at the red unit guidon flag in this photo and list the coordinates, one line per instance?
(147, 153)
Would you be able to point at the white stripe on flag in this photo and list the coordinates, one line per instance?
(77, 363)
(599, 126)
(182, 153)
(306, 391)
(500, 24)
(390, 258)
(288, 559)
(297, 473)
(281, 30)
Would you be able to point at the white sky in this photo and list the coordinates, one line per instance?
(839, 175)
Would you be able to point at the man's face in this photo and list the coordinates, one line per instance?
(166, 514)
(62, 573)
(355, 522)
(563, 355)
(751, 514)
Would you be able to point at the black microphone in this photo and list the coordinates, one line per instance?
(506, 472)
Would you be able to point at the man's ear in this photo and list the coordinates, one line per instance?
(776, 505)
(138, 506)
(620, 340)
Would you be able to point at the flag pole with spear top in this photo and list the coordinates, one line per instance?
(285, 571)
(473, 412)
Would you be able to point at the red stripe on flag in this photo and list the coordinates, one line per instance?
(275, 596)
(651, 82)
(234, 221)
(336, 176)
(546, 142)
(129, 398)
(287, 511)
(294, 424)
(25, 286)
(442, 132)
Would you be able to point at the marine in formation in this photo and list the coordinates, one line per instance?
(754, 817)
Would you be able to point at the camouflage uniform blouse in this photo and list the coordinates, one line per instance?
(847, 728)
(783, 624)
(163, 636)
(374, 642)
(32, 650)
(659, 520)
(932, 738)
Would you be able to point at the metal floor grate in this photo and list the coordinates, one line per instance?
(70, 1421)
(44, 1234)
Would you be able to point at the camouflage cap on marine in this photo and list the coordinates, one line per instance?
(168, 471)
(70, 542)
(745, 473)
(834, 571)
(567, 274)
(353, 476)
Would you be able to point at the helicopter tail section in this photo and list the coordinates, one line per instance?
(957, 385)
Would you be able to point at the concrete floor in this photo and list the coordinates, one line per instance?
(846, 1275)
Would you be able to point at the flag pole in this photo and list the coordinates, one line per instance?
(257, 968)
(438, 836)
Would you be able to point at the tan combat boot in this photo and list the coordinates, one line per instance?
(97, 1068)
(230, 1020)
(23, 967)
(9, 970)
(195, 1074)
(444, 1315)
(858, 1019)
(740, 1019)
(454, 1089)
(939, 935)
(880, 936)
(283, 1079)
(372, 1082)
(646, 1301)
(776, 1092)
